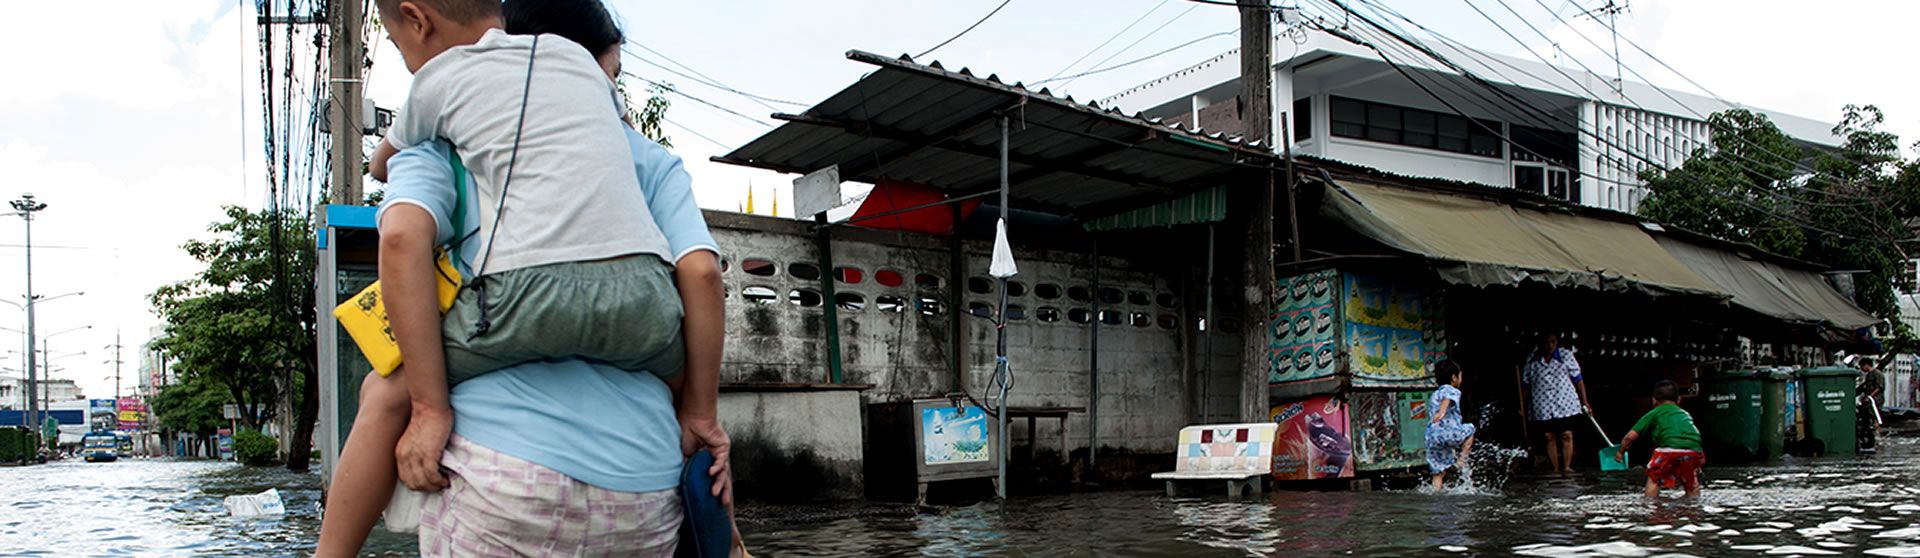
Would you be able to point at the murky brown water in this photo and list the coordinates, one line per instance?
(1851, 506)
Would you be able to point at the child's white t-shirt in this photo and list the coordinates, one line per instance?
(574, 195)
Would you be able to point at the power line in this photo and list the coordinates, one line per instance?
(676, 91)
(1138, 60)
(696, 133)
(1103, 44)
(1136, 42)
(964, 32)
(705, 79)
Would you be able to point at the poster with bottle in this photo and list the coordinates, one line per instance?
(1393, 331)
(1313, 441)
(1302, 346)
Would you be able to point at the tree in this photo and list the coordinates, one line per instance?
(191, 405)
(1741, 188)
(1850, 209)
(649, 118)
(246, 322)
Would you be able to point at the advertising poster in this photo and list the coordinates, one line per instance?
(1393, 332)
(133, 413)
(1303, 345)
(225, 443)
(1313, 441)
(102, 414)
(1389, 429)
(954, 435)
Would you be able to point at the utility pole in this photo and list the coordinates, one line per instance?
(116, 362)
(1256, 125)
(345, 56)
(25, 208)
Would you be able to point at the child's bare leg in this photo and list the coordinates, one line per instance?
(1466, 449)
(1653, 488)
(1440, 480)
(1693, 489)
(363, 479)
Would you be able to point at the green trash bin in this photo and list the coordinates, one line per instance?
(1774, 422)
(1830, 407)
(1729, 412)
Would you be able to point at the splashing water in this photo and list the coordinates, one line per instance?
(1489, 466)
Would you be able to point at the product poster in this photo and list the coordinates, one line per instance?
(1303, 345)
(1389, 429)
(1313, 441)
(954, 435)
(1393, 332)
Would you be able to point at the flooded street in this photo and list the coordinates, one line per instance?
(1841, 506)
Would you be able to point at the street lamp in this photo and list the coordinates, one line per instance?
(25, 207)
(45, 343)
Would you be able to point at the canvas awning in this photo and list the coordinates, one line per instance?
(1769, 288)
(1482, 242)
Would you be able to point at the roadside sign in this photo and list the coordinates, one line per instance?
(230, 411)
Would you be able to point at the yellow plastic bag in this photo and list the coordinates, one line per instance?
(365, 318)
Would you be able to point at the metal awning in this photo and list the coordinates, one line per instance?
(1482, 242)
(1769, 288)
(932, 126)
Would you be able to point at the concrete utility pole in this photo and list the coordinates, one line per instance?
(1256, 124)
(25, 208)
(116, 362)
(345, 55)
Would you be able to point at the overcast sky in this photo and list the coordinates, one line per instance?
(136, 126)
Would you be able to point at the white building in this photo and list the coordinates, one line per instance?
(13, 391)
(1580, 138)
(153, 371)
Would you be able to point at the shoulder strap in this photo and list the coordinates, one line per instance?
(460, 232)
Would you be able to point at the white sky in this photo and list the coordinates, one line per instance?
(134, 126)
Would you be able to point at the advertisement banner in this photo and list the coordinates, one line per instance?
(225, 443)
(133, 413)
(1389, 429)
(102, 414)
(1313, 441)
(1303, 345)
(1393, 331)
(954, 435)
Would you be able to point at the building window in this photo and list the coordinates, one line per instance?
(1545, 180)
(1411, 127)
(1303, 119)
(1909, 278)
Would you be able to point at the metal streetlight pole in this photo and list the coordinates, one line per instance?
(25, 208)
(46, 356)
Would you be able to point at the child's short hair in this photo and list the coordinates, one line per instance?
(463, 11)
(1445, 371)
(1666, 390)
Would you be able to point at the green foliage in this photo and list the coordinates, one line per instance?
(1850, 209)
(191, 406)
(1740, 189)
(245, 324)
(251, 447)
(649, 118)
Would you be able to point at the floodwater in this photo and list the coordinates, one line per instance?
(1835, 506)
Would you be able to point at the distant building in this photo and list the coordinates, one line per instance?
(153, 367)
(1578, 138)
(13, 392)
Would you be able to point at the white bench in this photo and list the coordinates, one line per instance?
(1237, 454)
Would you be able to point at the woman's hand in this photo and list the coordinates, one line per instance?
(698, 433)
(418, 454)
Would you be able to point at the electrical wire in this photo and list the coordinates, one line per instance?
(676, 91)
(964, 32)
(703, 78)
(1110, 39)
(1143, 38)
(1138, 60)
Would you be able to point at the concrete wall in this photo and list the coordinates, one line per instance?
(907, 354)
(795, 445)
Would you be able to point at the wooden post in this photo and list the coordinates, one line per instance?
(1256, 115)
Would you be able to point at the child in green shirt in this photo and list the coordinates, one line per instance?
(1677, 455)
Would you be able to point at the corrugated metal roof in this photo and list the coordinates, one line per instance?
(926, 124)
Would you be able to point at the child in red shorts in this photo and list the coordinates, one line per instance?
(1677, 454)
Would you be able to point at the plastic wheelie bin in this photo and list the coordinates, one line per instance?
(1729, 411)
(1830, 407)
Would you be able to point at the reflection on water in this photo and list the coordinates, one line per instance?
(1852, 507)
(157, 508)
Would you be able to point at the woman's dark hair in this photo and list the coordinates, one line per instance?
(586, 22)
(1445, 371)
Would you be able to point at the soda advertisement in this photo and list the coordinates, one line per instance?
(1393, 332)
(954, 435)
(1313, 440)
(1303, 345)
(1389, 429)
(133, 413)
